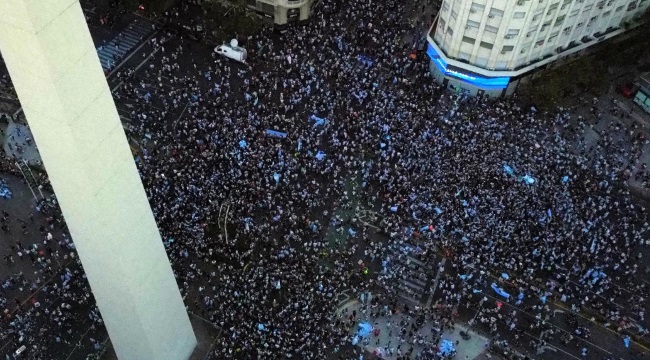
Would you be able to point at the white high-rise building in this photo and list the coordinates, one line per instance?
(486, 46)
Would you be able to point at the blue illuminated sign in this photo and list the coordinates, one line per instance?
(437, 60)
(488, 83)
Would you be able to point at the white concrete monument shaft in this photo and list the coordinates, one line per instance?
(54, 66)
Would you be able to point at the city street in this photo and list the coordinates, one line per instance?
(169, 81)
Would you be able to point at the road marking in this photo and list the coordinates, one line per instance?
(136, 68)
(36, 291)
(435, 281)
(118, 66)
(601, 326)
(183, 112)
(79, 342)
(361, 213)
(144, 42)
(225, 223)
(556, 348)
(101, 353)
(559, 328)
(544, 348)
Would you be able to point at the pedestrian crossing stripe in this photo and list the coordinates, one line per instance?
(123, 43)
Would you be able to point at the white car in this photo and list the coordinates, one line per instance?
(232, 51)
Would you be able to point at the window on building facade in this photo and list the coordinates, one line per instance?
(473, 24)
(450, 31)
(469, 40)
(486, 45)
(553, 37)
(445, 6)
(619, 8)
(539, 43)
(606, 13)
(593, 19)
(519, 15)
(513, 32)
(495, 12)
(559, 20)
(574, 13)
(454, 15)
(492, 29)
(477, 7)
(579, 24)
(507, 48)
(554, 6)
(587, 8)
(566, 30)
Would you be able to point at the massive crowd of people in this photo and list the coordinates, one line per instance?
(358, 122)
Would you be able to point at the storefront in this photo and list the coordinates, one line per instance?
(465, 81)
(642, 97)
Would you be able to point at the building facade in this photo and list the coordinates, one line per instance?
(282, 12)
(277, 12)
(487, 46)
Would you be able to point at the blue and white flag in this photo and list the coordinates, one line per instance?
(500, 291)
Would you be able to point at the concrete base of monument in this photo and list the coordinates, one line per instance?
(207, 336)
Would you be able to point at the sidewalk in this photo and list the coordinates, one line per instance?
(18, 143)
(627, 105)
(389, 336)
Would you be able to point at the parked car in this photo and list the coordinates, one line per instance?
(232, 51)
(627, 89)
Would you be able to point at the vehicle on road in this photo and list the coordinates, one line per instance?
(232, 51)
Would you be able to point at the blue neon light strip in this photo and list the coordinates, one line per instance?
(437, 60)
(494, 83)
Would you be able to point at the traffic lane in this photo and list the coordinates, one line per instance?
(603, 342)
(134, 60)
(161, 86)
(521, 338)
(625, 308)
(188, 66)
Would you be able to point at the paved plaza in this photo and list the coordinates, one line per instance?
(385, 344)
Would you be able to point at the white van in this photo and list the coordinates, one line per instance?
(232, 51)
